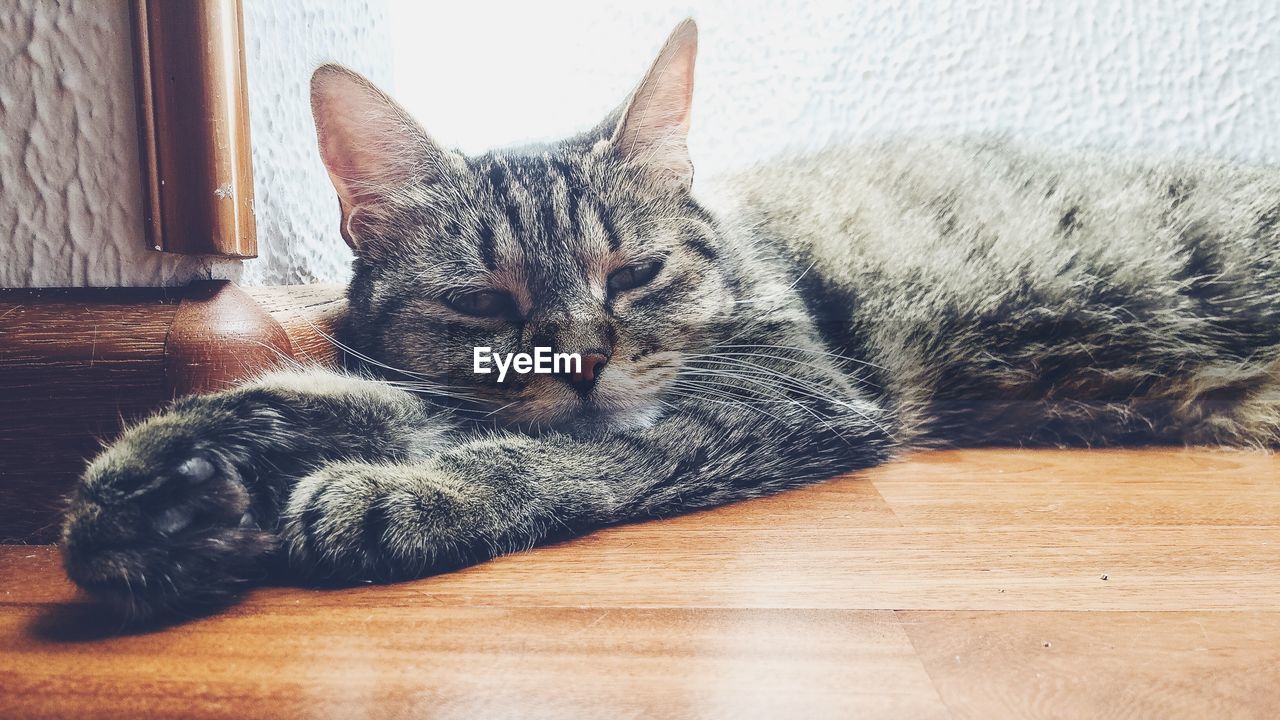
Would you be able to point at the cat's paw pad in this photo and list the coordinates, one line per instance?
(163, 520)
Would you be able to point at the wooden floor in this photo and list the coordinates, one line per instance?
(971, 584)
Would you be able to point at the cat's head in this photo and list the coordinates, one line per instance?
(592, 245)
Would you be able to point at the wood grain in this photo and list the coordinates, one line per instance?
(73, 363)
(1097, 488)
(964, 584)
(1102, 665)
(309, 315)
(218, 338)
(481, 663)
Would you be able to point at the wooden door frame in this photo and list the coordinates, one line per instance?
(193, 118)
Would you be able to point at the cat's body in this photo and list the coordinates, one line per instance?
(832, 310)
(1015, 295)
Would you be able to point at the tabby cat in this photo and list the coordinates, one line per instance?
(810, 317)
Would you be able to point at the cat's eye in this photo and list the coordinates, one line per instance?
(483, 303)
(633, 276)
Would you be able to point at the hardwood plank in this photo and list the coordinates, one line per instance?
(47, 323)
(928, 588)
(1102, 665)
(672, 564)
(1130, 487)
(31, 574)
(420, 660)
(876, 568)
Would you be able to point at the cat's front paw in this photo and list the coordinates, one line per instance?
(163, 521)
(358, 521)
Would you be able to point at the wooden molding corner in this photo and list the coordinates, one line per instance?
(220, 336)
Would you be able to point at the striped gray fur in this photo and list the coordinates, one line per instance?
(809, 317)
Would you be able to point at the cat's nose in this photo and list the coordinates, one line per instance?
(589, 371)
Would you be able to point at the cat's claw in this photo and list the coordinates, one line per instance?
(173, 520)
(196, 470)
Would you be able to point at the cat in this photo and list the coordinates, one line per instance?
(809, 317)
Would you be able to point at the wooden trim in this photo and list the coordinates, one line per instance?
(76, 363)
(219, 336)
(193, 119)
(309, 314)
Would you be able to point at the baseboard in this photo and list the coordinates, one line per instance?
(77, 363)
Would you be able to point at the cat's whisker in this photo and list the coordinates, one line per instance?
(443, 390)
(788, 360)
(431, 390)
(420, 384)
(805, 408)
(759, 388)
(809, 350)
(781, 293)
(365, 358)
(504, 407)
(801, 387)
(734, 402)
(808, 390)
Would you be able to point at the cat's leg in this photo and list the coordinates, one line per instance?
(359, 521)
(185, 505)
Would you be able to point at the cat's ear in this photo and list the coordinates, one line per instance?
(654, 125)
(369, 144)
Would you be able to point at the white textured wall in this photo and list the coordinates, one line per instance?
(296, 208)
(1201, 74)
(1197, 74)
(70, 193)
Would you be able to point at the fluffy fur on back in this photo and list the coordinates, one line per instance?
(1021, 296)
